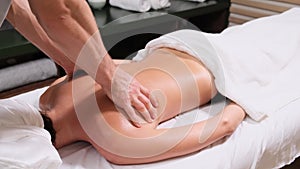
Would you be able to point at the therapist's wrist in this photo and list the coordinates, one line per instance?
(105, 73)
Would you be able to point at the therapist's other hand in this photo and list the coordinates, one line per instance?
(133, 98)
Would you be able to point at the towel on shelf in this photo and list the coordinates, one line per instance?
(133, 5)
(196, 0)
(26, 73)
(159, 4)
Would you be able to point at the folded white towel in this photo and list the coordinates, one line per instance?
(197, 0)
(133, 5)
(159, 4)
(97, 4)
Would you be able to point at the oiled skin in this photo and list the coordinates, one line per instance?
(179, 82)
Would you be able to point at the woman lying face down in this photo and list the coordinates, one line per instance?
(80, 111)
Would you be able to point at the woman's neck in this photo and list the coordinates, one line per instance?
(67, 127)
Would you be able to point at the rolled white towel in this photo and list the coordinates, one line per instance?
(97, 4)
(159, 4)
(197, 0)
(25, 73)
(133, 5)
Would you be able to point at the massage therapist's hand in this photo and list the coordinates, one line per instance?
(133, 98)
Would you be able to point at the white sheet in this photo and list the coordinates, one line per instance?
(272, 143)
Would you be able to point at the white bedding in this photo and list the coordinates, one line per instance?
(23, 141)
(272, 143)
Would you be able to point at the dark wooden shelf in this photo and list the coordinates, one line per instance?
(116, 24)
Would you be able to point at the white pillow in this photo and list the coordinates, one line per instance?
(24, 143)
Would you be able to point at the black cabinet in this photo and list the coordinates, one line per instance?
(124, 31)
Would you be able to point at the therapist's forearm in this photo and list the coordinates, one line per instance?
(71, 26)
(23, 20)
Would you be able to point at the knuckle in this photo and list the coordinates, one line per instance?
(140, 108)
(133, 91)
(148, 102)
(137, 103)
(144, 99)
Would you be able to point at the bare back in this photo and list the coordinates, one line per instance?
(179, 82)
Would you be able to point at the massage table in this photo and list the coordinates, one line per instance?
(270, 143)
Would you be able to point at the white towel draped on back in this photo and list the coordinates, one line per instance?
(255, 64)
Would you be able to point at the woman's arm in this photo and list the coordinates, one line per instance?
(160, 144)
